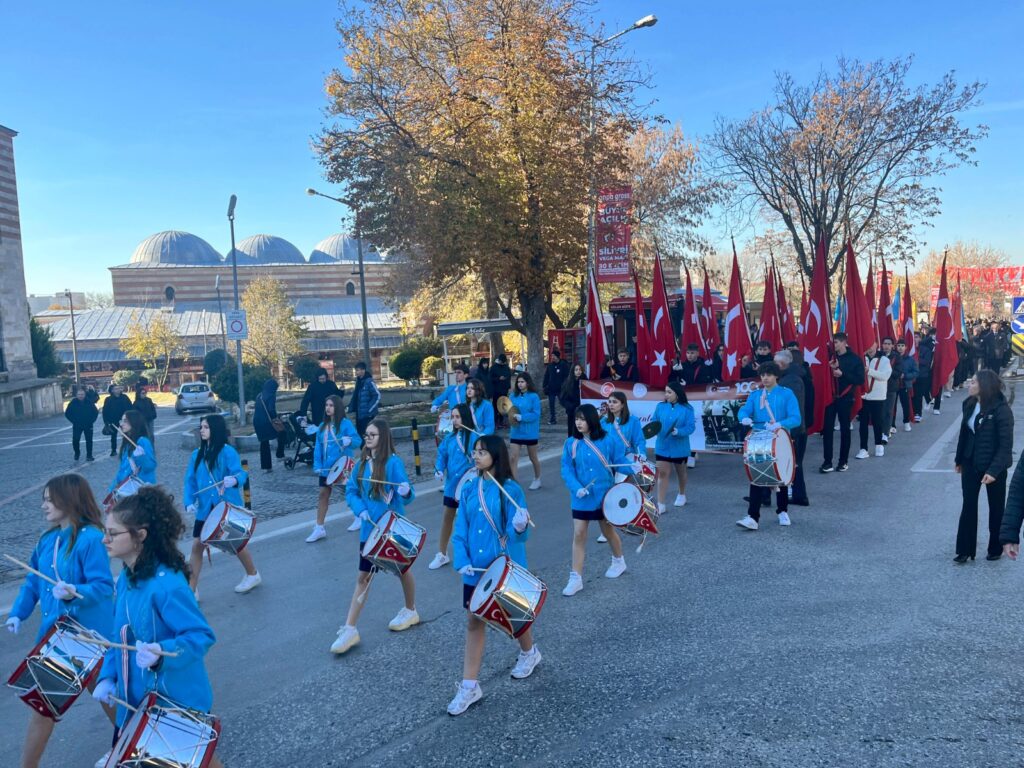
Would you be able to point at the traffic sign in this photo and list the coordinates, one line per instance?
(1018, 305)
(237, 325)
(1017, 324)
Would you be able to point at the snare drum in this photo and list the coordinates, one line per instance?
(162, 733)
(58, 669)
(395, 543)
(508, 597)
(769, 458)
(127, 487)
(444, 426)
(228, 528)
(627, 507)
(340, 471)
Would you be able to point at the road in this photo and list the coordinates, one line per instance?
(848, 639)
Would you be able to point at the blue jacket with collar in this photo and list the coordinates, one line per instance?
(782, 404)
(454, 460)
(677, 416)
(329, 448)
(198, 479)
(453, 394)
(145, 465)
(474, 541)
(630, 434)
(360, 497)
(528, 428)
(582, 468)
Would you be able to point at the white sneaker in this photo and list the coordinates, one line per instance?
(535, 484)
(616, 569)
(661, 509)
(680, 500)
(196, 593)
(403, 620)
(440, 559)
(892, 431)
(102, 762)
(347, 638)
(602, 539)
(574, 585)
(249, 583)
(319, 532)
(691, 462)
(784, 518)
(947, 394)
(879, 450)
(526, 663)
(747, 522)
(355, 525)
(907, 427)
(861, 454)
(917, 417)
(464, 699)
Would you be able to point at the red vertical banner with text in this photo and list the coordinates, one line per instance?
(613, 234)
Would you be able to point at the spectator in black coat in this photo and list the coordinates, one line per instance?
(693, 370)
(263, 422)
(315, 398)
(570, 396)
(983, 456)
(996, 347)
(82, 414)
(145, 406)
(847, 368)
(114, 406)
(1013, 515)
(482, 371)
(501, 382)
(555, 374)
(925, 343)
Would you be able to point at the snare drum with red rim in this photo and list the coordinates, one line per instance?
(395, 543)
(340, 471)
(769, 458)
(627, 507)
(228, 528)
(162, 734)
(58, 669)
(127, 487)
(444, 427)
(508, 597)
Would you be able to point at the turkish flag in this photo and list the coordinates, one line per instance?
(691, 322)
(597, 340)
(958, 314)
(770, 329)
(945, 359)
(886, 326)
(663, 339)
(786, 315)
(709, 326)
(869, 297)
(643, 334)
(816, 340)
(908, 318)
(859, 328)
(737, 333)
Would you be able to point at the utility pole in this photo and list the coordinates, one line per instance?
(74, 335)
(238, 343)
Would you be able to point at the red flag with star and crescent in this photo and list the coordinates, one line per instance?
(785, 314)
(945, 358)
(770, 328)
(816, 340)
(709, 325)
(869, 297)
(663, 339)
(643, 334)
(692, 332)
(737, 332)
(908, 317)
(597, 339)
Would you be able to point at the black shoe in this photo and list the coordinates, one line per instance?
(113, 453)
(89, 458)
(993, 558)
(801, 502)
(842, 467)
(961, 559)
(77, 457)
(826, 468)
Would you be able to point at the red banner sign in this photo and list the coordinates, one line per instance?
(612, 234)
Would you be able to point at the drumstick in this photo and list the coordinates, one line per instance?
(489, 476)
(382, 482)
(126, 436)
(122, 646)
(122, 703)
(41, 575)
(210, 486)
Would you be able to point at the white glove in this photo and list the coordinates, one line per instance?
(146, 655)
(191, 509)
(637, 466)
(674, 432)
(582, 492)
(104, 689)
(433, 409)
(466, 570)
(404, 489)
(230, 481)
(138, 452)
(63, 591)
(519, 417)
(677, 367)
(775, 426)
(439, 475)
(707, 362)
(13, 624)
(747, 422)
(521, 520)
(303, 421)
(346, 441)
(364, 515)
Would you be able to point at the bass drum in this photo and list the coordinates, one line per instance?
(769, 458)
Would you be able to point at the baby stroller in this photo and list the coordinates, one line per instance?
(304, 436)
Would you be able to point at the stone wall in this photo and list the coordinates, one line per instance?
(14, 334)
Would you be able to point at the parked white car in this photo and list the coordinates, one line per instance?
(196, 396)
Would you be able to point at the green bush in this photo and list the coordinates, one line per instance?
(406, 364)
(307, 369)
(225, 383)
(430, 366)
(215, 360)
(427, 346)
(125, 378)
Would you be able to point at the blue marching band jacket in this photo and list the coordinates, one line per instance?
(474, 541)
(361, 497)
(199, 479)
(528, 428)
(143, 467)
(329, 447)
(590, 464)
(454, 460)
(681, 418)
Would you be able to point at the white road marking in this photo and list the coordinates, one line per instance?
(927, 461)
(37, 437)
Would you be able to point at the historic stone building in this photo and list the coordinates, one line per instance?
(22, 394)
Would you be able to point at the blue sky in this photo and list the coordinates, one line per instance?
(141, 117)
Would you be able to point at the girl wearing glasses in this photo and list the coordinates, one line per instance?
(378, 483)
(335, 438)
(156, 611)
(71, 553)
(214, 474)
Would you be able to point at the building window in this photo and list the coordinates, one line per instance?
(350, 288)
(169, 293)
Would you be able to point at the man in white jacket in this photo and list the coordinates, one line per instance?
(878, 370)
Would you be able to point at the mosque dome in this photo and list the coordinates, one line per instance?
(343, 248)
(268, 249)
(175, 248)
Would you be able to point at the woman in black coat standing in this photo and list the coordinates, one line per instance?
(983, 456)
(570, 396)
(263, 422)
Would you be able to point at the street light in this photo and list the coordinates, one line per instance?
(74, 336)
(647, 21)
(238, 342)
(362, 274)
(220, 308)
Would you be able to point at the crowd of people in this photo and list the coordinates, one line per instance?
(153, 610)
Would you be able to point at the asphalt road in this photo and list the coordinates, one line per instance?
(848, 639)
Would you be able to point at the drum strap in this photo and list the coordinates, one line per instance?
(600, 455)
(502, 538)
(618, 431)
(766, 405)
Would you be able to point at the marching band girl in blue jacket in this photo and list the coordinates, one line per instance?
(453, 394)
(482, 408)
(627, 428)
(590, 460)
(71, 553)
(672, 445)
(335, 438)
(156, 611)
(214, 474)
(138, 460)
(454, 459)
(476, 544)
(525, 425)
(377, 484)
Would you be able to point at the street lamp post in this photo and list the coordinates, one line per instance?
(220, 308)
(238, 343)
(646, 21)
(74, 335)
(362, 273)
